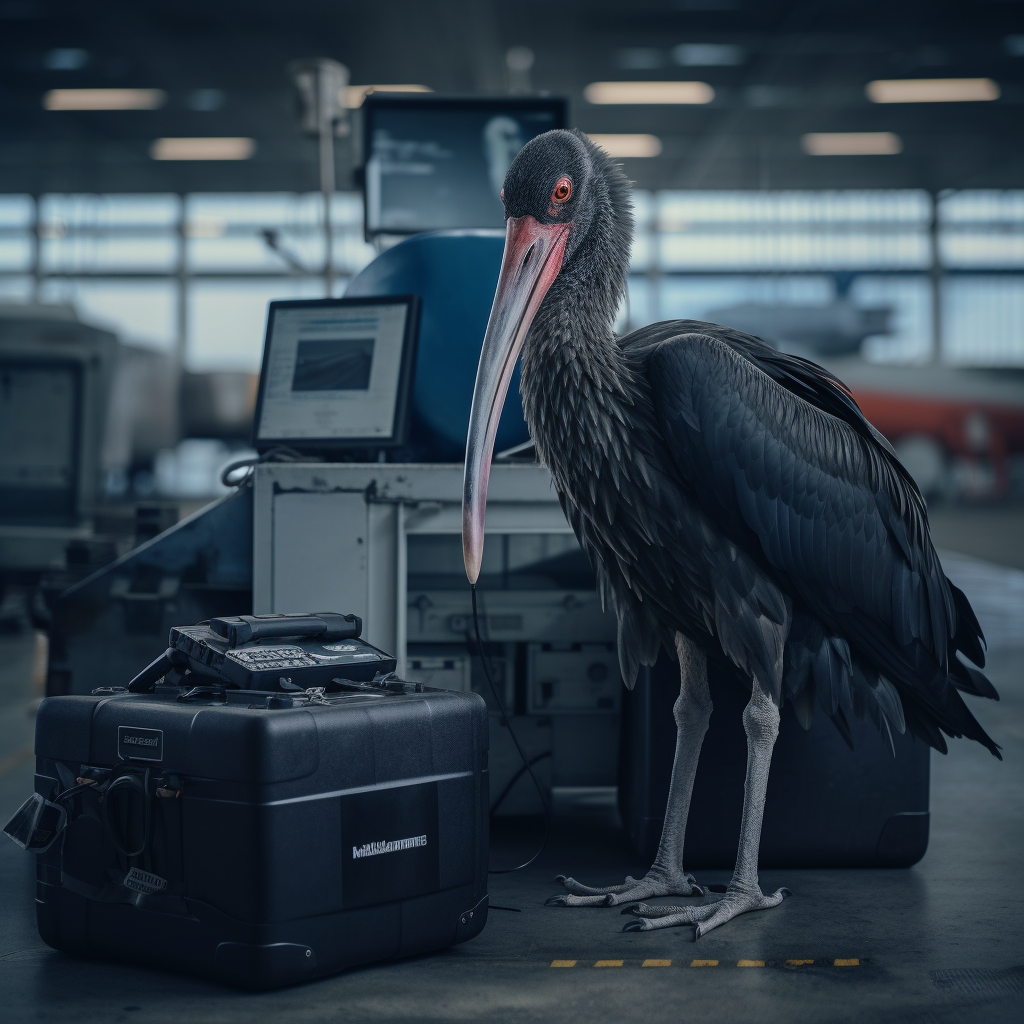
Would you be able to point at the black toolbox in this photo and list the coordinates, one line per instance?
(263, 838)
(827, 806)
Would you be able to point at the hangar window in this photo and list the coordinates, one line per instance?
(194, 273)
(895, 273)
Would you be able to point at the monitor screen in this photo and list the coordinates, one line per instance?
(336, 373)
(39, 422)
(436, 162)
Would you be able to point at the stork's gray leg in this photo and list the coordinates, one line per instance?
(692, 710)
(761, 723)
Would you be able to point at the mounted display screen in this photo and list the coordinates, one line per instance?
(39, 413)
(438, 162)
(336, 373)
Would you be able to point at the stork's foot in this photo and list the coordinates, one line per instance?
(654, 883)
(705, 917)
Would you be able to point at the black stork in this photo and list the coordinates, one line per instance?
(733, 501)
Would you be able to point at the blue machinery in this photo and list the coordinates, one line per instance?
(454, 273)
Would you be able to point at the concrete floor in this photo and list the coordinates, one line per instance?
(941, 942)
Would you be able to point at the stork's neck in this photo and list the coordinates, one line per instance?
(574, 369)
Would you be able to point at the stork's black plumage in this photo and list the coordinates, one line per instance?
(727, 494)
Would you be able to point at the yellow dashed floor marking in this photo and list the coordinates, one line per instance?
(848, 962)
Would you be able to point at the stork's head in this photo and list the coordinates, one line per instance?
(559, 188)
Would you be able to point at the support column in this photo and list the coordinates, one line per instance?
(935, 277)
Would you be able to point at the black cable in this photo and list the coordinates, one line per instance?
(515, 778)
(280, 453)
(515, 740)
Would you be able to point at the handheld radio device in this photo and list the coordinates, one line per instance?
(286, 653)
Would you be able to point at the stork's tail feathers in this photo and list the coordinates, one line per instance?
(846, 686)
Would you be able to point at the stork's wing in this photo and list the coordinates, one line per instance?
(780, 457)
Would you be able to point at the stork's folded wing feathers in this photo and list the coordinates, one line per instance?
(781, 458)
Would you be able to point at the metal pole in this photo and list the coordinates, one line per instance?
(321, 83)
(181, 335)
(935, 279)
(37, 251)
(327, 188)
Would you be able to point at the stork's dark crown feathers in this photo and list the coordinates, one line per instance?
(600, 197)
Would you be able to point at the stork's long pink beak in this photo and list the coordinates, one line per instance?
(532, 260)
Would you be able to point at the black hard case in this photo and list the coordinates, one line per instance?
(258, 850)
(827, 806)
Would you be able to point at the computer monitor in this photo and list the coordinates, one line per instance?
(438, 162)
(336, 374)
(40, 422)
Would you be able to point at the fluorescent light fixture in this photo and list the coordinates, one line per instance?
(355, 94)
(206, 99)
(642, 93)
(66, 60)
(705, 55)
(104, 99)
(203, 148)
(932, 90)
(628, 145)
(851, 144)
(639, 58)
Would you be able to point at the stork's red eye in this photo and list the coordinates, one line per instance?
(562, 190)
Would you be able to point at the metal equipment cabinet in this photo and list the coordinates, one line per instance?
(384, 541)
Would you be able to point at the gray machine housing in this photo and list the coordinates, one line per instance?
(386, 539)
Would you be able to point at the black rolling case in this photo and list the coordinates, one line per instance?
(827, 806)
(261, 838)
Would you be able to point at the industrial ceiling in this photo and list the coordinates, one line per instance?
(779, 72)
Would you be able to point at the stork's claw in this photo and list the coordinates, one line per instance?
(705, 917)
(571, 900)
(643, 910)
(654, 883)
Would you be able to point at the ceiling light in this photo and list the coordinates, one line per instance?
(203, 148)
(932, 90)
(641, 93)
(355, 94)
(639, 58)
(206, 99)
(628, 145)
(703, 55)
(66, 60)
(104, 99)
(851, 144)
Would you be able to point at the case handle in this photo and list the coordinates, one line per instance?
(240, 629)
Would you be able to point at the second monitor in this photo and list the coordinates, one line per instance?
(438, 162)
